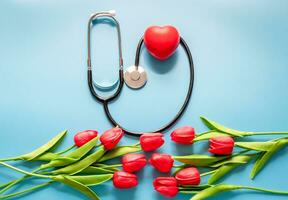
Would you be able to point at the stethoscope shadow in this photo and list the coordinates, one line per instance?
(160, 67)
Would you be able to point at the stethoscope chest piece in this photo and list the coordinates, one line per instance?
(135, 77)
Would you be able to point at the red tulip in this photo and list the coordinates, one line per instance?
(83, 137)
(222, 145)
(124, 180)
(133, 162)
(162, 162)
(151, 141)
(111, 137)
(188, 176)
(166, 186)
(184, 135)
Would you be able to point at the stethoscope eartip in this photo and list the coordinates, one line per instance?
(112, 12)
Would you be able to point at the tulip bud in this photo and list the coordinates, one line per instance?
(124, 180)
(166, 186)
(151, 141)
(83, 137)
(188, 176)
(133, 162)
(184, 135)
(222, 145)
(111, 137)
(162, 162)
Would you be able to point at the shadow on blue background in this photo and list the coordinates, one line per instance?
(161, 67)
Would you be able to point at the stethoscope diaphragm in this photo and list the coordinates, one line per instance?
(135, 77)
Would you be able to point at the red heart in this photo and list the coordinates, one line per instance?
(161, 42)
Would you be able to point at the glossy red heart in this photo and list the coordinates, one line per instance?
(161, 42)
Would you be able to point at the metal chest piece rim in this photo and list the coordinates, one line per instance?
(135, 77)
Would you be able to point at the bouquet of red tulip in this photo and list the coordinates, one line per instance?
(222, 140)
(78, 168)
(82, 165)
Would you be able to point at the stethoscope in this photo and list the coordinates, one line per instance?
(135, 76)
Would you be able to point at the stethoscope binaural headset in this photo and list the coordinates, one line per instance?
(135, 76)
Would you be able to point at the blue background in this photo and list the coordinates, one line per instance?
(240, 54)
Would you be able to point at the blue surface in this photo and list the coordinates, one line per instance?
(240, 54)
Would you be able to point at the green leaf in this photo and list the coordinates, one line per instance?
(239, 159)
(210, 134)
(119, 151)
(257, 146)
(96, 170)
(92, 179)
(199, 160)
(215, 126)
(83, 150)
(110, 167)
(221, 171)
(72, 157)
(78, 186)
(77, 167)
(227, 165)
(265, 156)
(214, 190)
(48, 156)
(46, 147)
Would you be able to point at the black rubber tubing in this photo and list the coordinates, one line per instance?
(105, 101)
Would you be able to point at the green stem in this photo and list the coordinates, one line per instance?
(254, 154)
(264, 190)
(198, 187)
(23, 171)
(196, 140)
(208, 173)
(10, 184)
(267, 133)
(5, 184)
(65, 150)
(98, 145)
(19, 158)
(111, 166)
(26, 190)
(137, 144)
(10, 159)
(179, 166)
(241, 152)
(188, 192)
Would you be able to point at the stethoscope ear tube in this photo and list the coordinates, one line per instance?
(182, 109)
(100, 98)
(109, 14)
